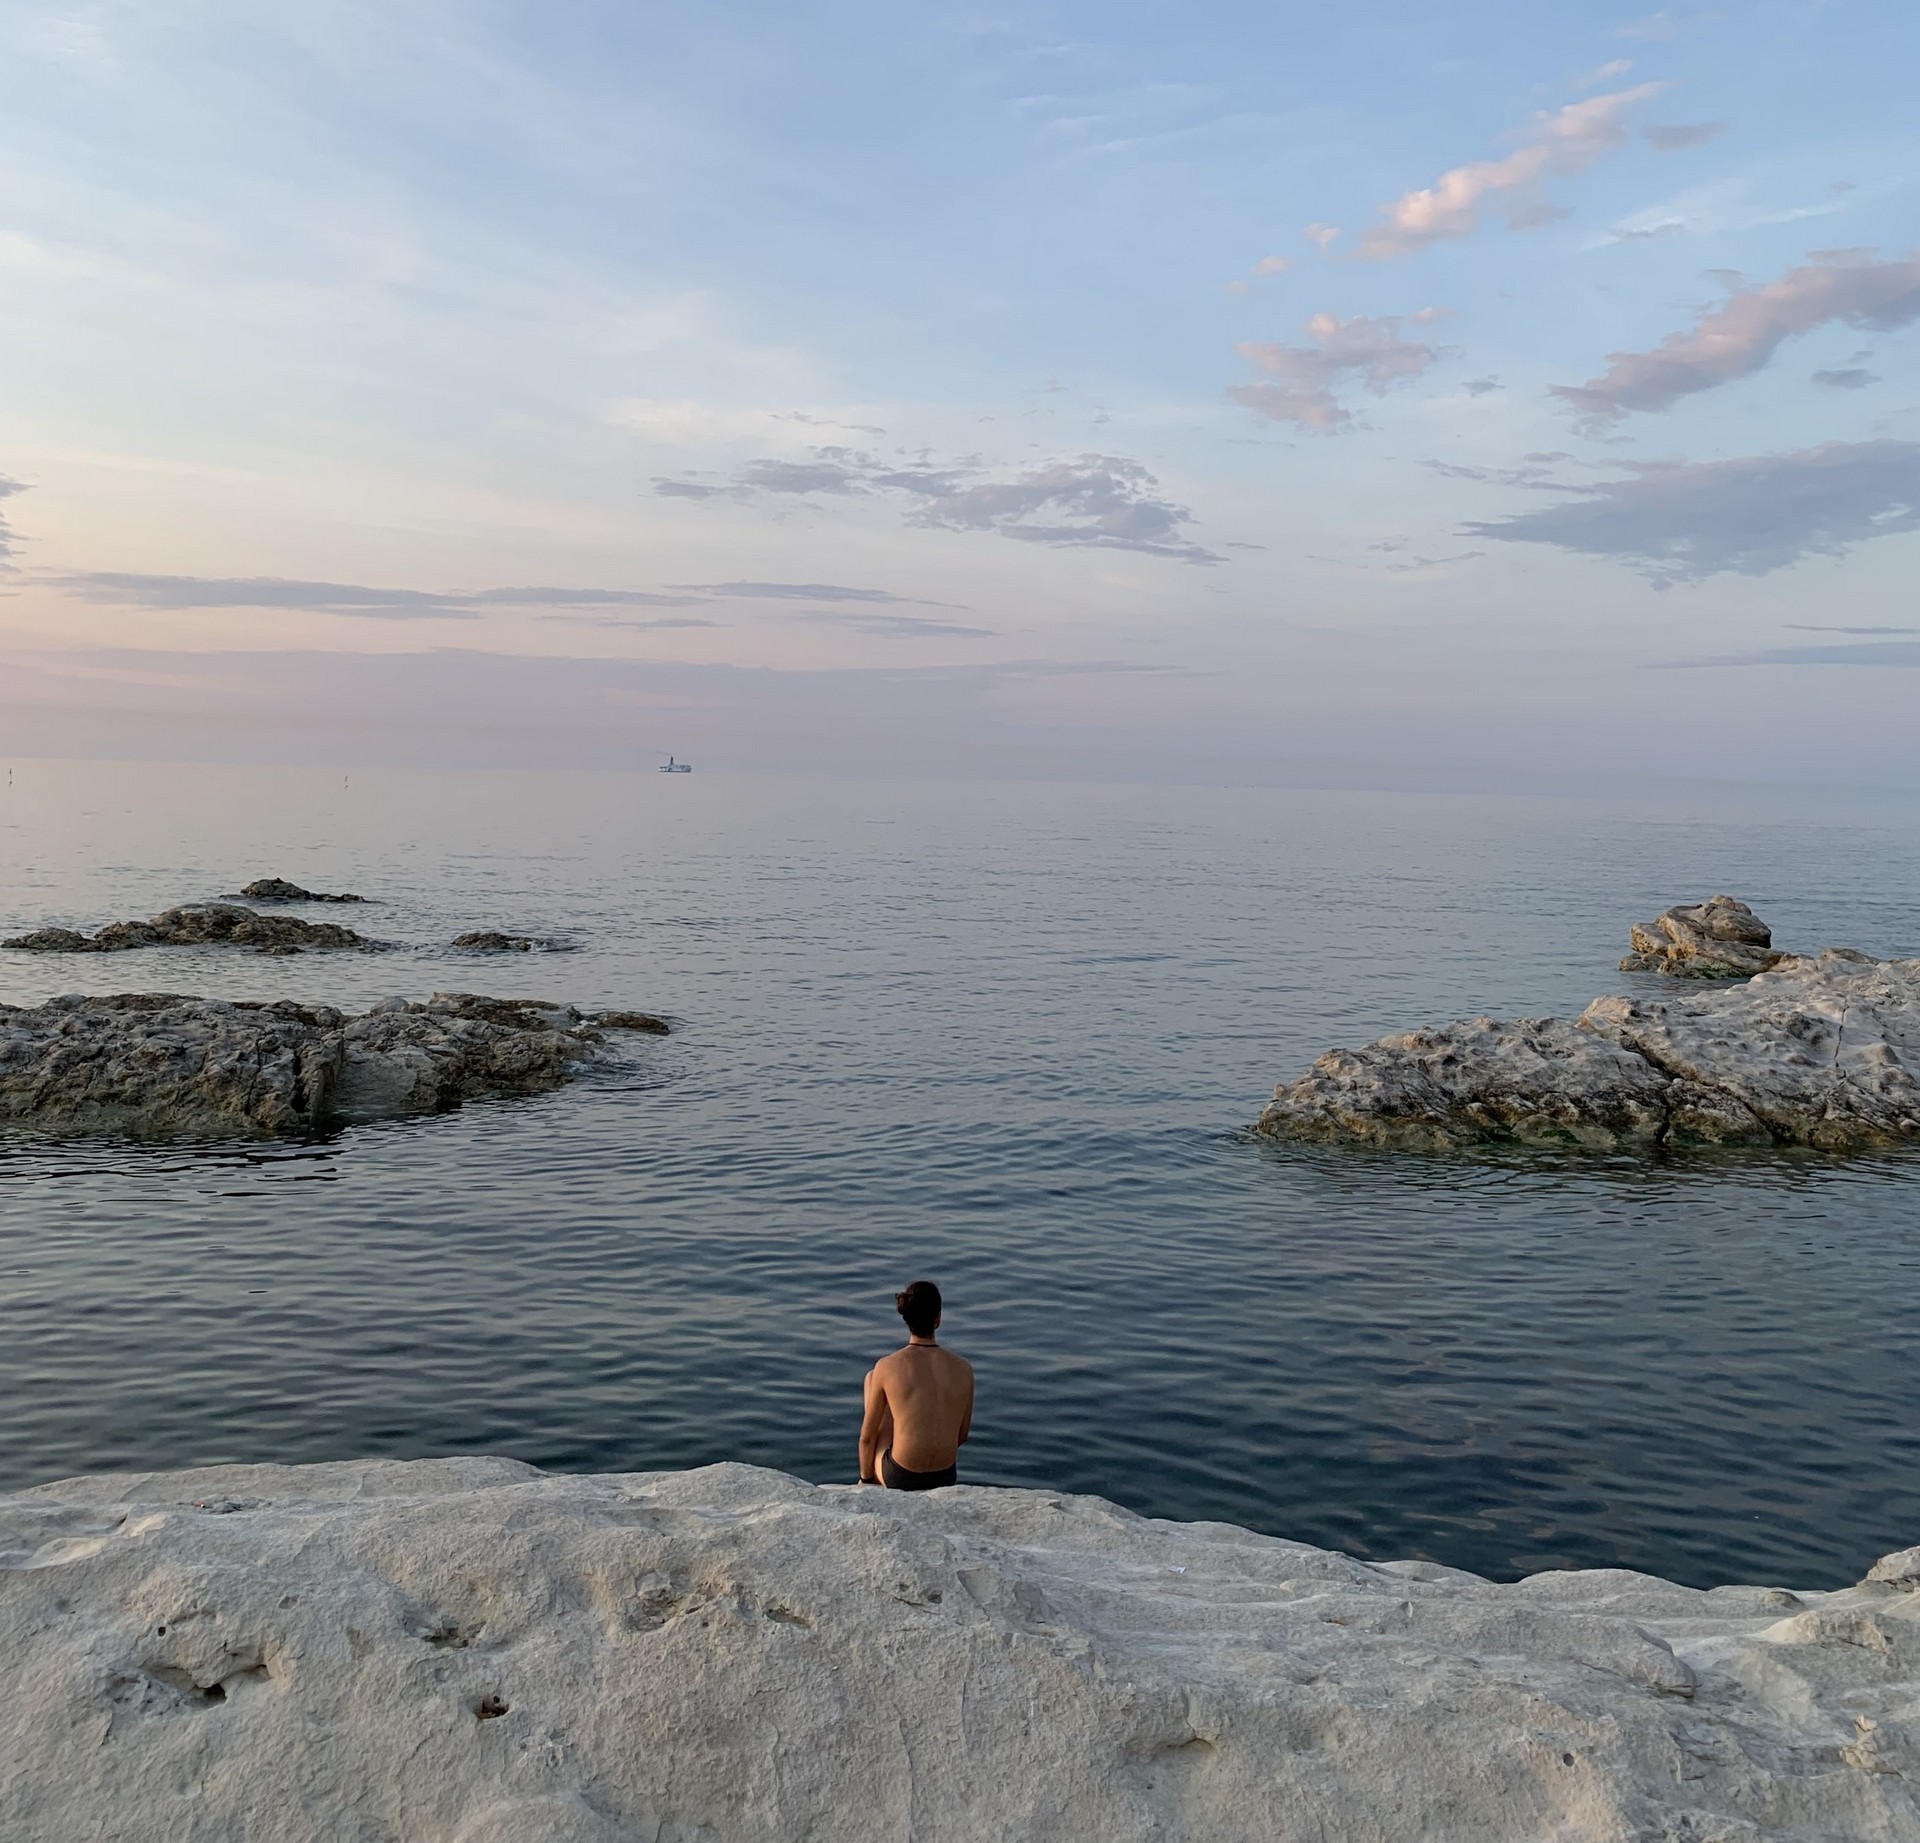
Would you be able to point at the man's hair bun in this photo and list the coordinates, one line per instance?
(919, 1305)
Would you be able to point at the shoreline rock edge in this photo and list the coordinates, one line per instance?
(470, 1651)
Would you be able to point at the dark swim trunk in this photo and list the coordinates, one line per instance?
(898, 1478)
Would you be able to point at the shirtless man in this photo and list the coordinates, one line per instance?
(919, 1404)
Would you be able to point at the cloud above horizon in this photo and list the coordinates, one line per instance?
(1882, 653)
(130, 589)
(896, 626)
(1093, 501)
(1671, 137)
(1680, 521)
(7, 490)
(121, 589)
(1739, 337)
(1565, 142)
(1304, 379)
(797, 591)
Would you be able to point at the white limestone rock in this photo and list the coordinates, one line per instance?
(468, 1651)
(159, 1065)
(1716, 939)
(1818, 1052)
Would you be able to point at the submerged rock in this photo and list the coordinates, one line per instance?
(196, 924)
(471, 1651)
(1818, 1052)
(278, 889)
(490, 940)
(158, 1065)
(631, 1020)
(1716, 939)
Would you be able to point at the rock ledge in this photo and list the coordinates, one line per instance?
(1820, 1052)
(160, 1065)
(196, 924)
(278, 889)
(469, 1651)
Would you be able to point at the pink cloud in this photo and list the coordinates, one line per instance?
(1568, 141)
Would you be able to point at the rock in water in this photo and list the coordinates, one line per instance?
(470, 1651)
(490, 940)
(154, 1065)
(1715, 939)
(631, 1020)
(278, 889)
(1818, 1052)
(196, 924)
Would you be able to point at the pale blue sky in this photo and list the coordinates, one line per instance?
(827, 385)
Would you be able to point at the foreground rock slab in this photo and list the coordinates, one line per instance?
(1716, 939)
(159, 1065)
(1821, 1051)
(469, 1651)
(196, 924)
(278, 889)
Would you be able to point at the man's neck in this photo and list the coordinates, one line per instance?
(921, 1343)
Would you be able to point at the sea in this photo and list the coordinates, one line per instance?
(1010, 1038)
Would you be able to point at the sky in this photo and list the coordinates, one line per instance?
(1392, 393)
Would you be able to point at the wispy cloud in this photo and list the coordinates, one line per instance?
(897, 626)
(1679, 521)
(589, 607)
(793, 592)
(1671, 137)
(7, 490)
(1093, 501)
(1847, 377)
(1654, 29)
(1565, 142)
(1609, 72)
(1884, 653)
(1302, 381)
(1738, 338)
(627, 624)
(123, 589)
(1822, 627)
(1729, 205)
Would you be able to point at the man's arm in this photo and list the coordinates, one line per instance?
(966, 1419)
(876, 1428)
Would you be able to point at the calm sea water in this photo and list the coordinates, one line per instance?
(1008, 1037)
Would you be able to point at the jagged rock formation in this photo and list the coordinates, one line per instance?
(1716, 939)
(196, 924)
(278, 889)
(1818, 1052)
(490, 940)
(157, 1065)
(469, 1651)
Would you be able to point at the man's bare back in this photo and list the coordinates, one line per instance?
(919, 1403)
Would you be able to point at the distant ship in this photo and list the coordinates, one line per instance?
(670, 766)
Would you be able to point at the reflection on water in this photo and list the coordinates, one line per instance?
(1006, 1037)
